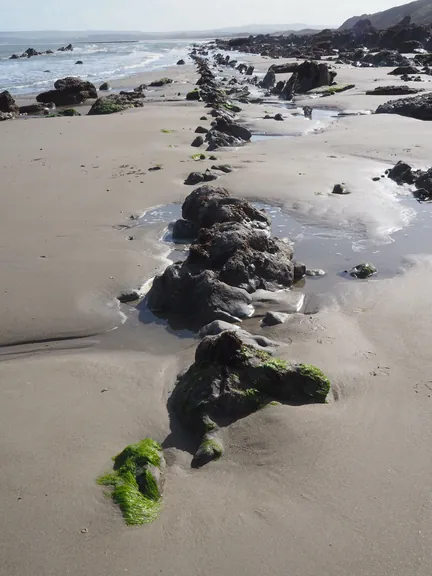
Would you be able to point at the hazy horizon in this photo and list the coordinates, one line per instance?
(168, 16)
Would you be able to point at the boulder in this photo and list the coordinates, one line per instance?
(340, 189)
(419, 107)
(231, 379)
(225, 168)
(14, 57)
(208, 205)
(193, 95)
(114, 103)
(269, 80)
(7, 103)
(279, 117)
(401, 90)
(402, 173)
(105, 87)
(201, 130)
(283, 68)
(79, 62)
(68, 91)
(184, 230)
(199, 141)
(29, 53)
(181, 62)
(250, 70)
(127, 297)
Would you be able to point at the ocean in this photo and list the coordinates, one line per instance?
(101, 61)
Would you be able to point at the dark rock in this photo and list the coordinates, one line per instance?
(181, 63)
(308, 76)
(68, 91)
(410, 46)
(201, 130)
(194, 178)
(250, 70)
(7, 103)
(419, 107)
(283, 68)
(225, 168)
(105, 87)
(393, 91)
(269, 80)
(423, 195)
(404, 70)
(279, 117)
(114, 103)
(299, 271)
(14, 57)
(155, 168)
(208, 205)
(30, 52)
(216, 139)
(184, 230)
(68, 112)
(363, 271)
(32, 109)
(193, 95)
(79, 62)
(424, 182)
(199, 141)
(402, 173)
(340, 189)
(229, 380)
(73, 84)
(203, 118)
(161, 82)
(274, 318)
(128, 297)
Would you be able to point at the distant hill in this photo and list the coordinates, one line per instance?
(420, 12)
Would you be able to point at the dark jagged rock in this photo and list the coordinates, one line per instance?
(419, 107)
(250, 70)
(209, 205)
(68, 48)
(14, 57)
(269, 80)
(198, 177)
(402, 173)
(184, 230)
(68, 91)
(283, 68)
(386, 58)
(199, 141)
(231, 379)
(274, 318)
(201, 130)
(216, 139)
(7, 103)
(340, 189)
(225, 168)
(181, 62)
(401, 90)
(279, 117)
(104, 87)
(30, 52)
(114, 103)
(411, 46)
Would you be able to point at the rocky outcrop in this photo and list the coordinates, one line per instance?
(7, 103)
(269, 80)
(231, 379)
(69, 91)
(401, 70)
(419, 107)
(231, 257)
(32, 109)
(308, 76)
(105, 87)
(115, 103)
(402, 173)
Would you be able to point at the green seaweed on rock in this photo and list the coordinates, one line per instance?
(134, 482)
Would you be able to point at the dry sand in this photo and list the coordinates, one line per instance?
(335, 490)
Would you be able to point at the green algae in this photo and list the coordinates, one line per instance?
(319, 381)
(68, 112)
(212, 447)
(197, 157)
(276, 364)
(166, 131)
(139, 503)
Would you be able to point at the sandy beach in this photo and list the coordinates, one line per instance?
(337, 489)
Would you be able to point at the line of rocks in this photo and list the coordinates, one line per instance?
(403, 173)
(31, 52)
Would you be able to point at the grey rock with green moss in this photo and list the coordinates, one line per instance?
(229, 380)
(137, 481)
(161, 82)
(114, 103)
(363, 271)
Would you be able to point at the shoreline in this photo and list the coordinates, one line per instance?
(312, 487)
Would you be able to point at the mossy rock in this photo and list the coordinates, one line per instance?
(230, 379)
(363, 271)
(114, 103)
(193, 95)
(137, 481)
(68, 112)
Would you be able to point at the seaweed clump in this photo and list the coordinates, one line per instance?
(137, 481)
(229, 380)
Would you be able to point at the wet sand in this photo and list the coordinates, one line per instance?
(334, 490)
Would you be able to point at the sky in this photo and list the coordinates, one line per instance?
(167, 15)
